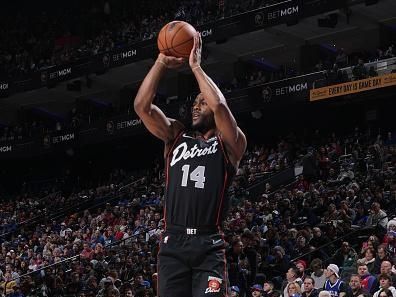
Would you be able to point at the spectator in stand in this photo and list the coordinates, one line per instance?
(368, 281)
(385, 283)
(386, 268)
(360, 70)
(334, 285)
(378, 217)
(369, 260)
(234, 291)
(291, 277)
(294, 290)
(249, 251)
(257, 291)
(318, 273)
(310, 289)
(268, 289)
(318, 240)
(235, 274)
(301, 265)
(346, 257)
(356, 287)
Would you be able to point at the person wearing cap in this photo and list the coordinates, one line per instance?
(234, 291)
(257, 290)
(301, 265)
(333, 284)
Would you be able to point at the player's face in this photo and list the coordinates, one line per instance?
(202, 115)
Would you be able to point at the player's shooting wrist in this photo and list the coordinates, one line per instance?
(160, 62)
(195, 67)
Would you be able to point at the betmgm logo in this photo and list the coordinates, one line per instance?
(60, 73)
(110, 127)
(291, 89)
(282, 13)
(5, 149)
(125, 55)
(207, 33)
(260, 18)
(63, 138)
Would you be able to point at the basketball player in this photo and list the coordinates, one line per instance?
(200, 163)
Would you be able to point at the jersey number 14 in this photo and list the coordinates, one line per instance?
(197, 175)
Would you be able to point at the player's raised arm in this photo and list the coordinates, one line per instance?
(153, 118)
(231, 134)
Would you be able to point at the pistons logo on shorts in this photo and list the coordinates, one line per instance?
(213, 285)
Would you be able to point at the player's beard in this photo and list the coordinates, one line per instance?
(205, 123)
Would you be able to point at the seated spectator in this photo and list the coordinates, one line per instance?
(268, 289)
(317, 274)
(378, 217)
(291, 278)
(8, 284)
(334, 285)
(359, 71)
(310, 289)
(301, 265)
(369, 260)
(346, 257)
(368, 281)
(294, 289)
(257, 291)
(234, 291)
(356, 287)
(386, 268)
(385, 283)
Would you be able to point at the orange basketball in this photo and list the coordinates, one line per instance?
(176, 39)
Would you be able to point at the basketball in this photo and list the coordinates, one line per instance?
(176, 39)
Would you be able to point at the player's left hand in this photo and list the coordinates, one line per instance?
(195, 55)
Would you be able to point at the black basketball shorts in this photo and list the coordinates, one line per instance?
(192, 265)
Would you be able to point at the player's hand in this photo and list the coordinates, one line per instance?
(169, 61)
(195, 55)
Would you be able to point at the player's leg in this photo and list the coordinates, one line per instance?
(209, 275)
(174, 276)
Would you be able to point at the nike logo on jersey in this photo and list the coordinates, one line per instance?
(181, 152)
(216, 241)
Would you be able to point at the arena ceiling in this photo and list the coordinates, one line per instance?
(279, 45)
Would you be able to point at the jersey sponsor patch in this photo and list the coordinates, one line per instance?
(213, 285)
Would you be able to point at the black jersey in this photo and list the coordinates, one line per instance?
(198, 174)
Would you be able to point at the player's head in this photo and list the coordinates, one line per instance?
(202, 115)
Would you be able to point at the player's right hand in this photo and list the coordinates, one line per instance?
(170, 62)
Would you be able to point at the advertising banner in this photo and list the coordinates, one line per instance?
(353, 87)
(295, 89)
